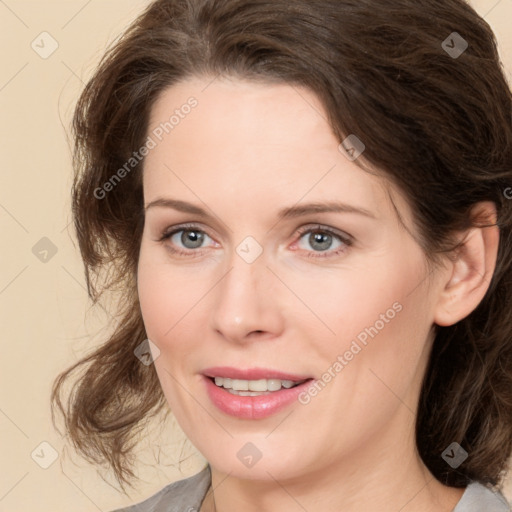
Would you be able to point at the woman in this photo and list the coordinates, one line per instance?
(304, 206)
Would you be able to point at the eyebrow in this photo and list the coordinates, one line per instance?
(285, 213)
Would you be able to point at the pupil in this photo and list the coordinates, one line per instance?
(192, 236)
(320, 238)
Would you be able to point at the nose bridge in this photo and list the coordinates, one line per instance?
(245, 300)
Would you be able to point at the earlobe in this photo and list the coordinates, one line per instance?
(471, 268)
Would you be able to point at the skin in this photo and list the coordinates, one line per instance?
(247, 150)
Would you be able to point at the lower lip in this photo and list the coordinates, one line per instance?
(253, 407)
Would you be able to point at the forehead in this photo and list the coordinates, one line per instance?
(242, 138)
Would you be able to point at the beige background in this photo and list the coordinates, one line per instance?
(45, 320)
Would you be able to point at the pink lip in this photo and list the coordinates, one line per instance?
(253, 407)
(251, 373)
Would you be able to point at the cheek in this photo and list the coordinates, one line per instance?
(379, 322)
(382, 340)
(167, 298)
(167, 293)
(356, 302)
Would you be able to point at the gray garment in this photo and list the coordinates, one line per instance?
(478, 498)
(182, 496)
(188, 494)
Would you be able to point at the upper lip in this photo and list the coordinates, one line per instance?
(252, 373)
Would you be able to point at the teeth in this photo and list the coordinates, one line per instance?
(260, 385)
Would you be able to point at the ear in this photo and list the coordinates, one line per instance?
(471, 269)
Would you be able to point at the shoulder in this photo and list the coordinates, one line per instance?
(184, 496)
(479, 498)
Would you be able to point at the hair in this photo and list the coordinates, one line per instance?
(438, 126)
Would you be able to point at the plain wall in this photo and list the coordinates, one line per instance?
(45, 321)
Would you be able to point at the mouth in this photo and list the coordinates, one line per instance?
(259, 395)
(243, 387)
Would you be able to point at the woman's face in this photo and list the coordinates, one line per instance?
(283, 256)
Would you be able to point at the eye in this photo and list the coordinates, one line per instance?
(321, 240)
(190, 237)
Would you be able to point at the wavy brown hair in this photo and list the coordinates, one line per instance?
(436, 125)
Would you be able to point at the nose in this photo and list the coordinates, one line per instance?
(247, 302)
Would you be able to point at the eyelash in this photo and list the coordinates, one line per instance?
(347, 241)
